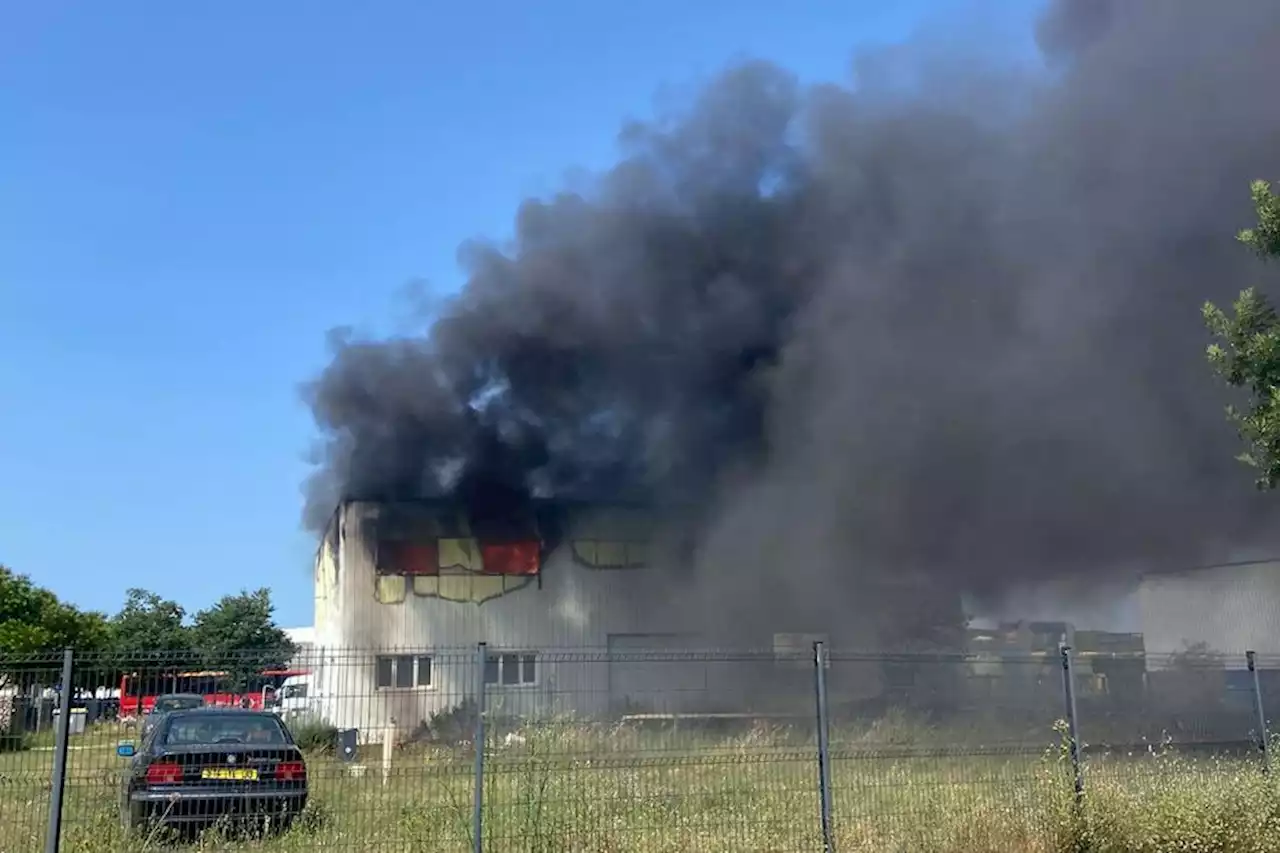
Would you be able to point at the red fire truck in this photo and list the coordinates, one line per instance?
(140, 690)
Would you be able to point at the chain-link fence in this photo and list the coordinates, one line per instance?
(514, 749)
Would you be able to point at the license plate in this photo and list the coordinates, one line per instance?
(229, 773)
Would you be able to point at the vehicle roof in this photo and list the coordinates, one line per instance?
(221, 711)
(165, 725)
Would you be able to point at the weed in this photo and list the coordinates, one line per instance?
(313, 734)
(900, 784)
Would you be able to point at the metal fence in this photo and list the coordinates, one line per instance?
(502, 749)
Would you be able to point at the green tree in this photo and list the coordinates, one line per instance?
(150, 623)
(33, 621)
(238, 634)
(35, 625)
(1246, 353)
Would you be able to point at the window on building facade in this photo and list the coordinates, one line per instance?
(511, 668)
(402, 671)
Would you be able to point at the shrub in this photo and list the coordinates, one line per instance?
(15, 742)
(449, 726)
(314, 734)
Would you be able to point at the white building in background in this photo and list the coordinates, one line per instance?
(304, 641)
(1226, 610)
(405, 591)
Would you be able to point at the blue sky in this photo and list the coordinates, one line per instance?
(191, 195)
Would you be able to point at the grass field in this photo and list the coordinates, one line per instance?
(566, 788)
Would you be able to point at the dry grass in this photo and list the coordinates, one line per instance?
(564, 788)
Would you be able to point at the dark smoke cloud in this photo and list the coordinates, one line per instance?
(929, 322)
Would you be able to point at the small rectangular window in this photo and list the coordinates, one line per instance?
(510, 669)
(385, 671)
(491, 669)
(404, 671)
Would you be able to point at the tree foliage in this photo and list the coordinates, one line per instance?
(33, 621)
(150, 624)
(1246, 353)
(239, 634)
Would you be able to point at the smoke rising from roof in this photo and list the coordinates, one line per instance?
(935, 320)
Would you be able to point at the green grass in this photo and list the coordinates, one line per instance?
(105, 735)
(567, 787)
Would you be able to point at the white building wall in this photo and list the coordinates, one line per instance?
(304, 642)
(570, 607)
(1229, 609)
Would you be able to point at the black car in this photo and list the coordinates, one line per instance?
(167, 704)
(201, 766)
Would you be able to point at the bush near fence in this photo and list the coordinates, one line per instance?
(917, 774)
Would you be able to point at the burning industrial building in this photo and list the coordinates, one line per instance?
(855, 349)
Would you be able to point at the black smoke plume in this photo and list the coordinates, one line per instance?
(942, 320)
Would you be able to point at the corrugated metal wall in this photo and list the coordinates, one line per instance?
(1230, 609)
(571, 607)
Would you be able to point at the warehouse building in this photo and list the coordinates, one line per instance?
(405, 591)
(1220, 610)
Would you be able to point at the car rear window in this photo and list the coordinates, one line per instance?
(176, 703)
(201, 729)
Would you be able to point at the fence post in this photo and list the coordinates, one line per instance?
(824, 751)
(477, 806)
(59, 779)
(1073, 729)
(1259, 708)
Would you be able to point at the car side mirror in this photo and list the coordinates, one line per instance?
(126, 750)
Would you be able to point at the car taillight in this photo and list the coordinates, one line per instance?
(290, 771)
(164, 773)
